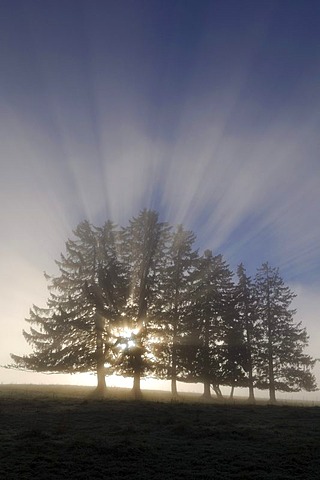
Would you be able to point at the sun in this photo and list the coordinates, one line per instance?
(126, 338)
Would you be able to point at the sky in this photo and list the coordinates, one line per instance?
(207, 111)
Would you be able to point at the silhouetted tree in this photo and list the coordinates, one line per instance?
(141, 301)
(210, 298)
(73, 333)
(233, 349)
(108, 293)
(144, 244)
(173, 305)
(282, 364)
(246, 304)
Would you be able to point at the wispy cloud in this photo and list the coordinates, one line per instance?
(211, 179)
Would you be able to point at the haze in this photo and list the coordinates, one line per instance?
(205, 111)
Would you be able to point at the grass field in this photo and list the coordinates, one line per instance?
(62, 433)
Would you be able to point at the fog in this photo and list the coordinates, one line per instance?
(211, 118)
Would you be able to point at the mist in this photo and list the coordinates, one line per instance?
(208, 115)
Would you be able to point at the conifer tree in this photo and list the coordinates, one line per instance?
(144, 244)
(283, 365)
(246, 304)
(173, 305)
(141, 301)
(73, 333)
(233, 351)
(212, 284)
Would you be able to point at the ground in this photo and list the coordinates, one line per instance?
(63, 433)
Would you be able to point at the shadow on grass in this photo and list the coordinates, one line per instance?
(63, 432)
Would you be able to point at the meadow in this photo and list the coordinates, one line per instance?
(60, 432)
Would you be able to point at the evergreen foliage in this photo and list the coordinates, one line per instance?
(140, 301)
(212, 321)
(172, 306)
(246, 305)
(282, 365)
(143, 251)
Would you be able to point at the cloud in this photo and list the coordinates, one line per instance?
(216, 183)
(233, 188)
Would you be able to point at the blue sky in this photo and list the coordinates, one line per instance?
(206, 111)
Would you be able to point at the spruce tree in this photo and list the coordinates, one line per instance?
(73, 333)
(173, 305)
(211, 288)
(246, 304)
(283, 365)
(144, 244)
(140, 301)
(233, 349)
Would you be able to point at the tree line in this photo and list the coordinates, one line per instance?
(142, 301)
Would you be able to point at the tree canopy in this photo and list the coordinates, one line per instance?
(141, 301)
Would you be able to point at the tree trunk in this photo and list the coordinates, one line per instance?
(136, 390)
(137, 369)
(101, 389)
(272, 389)
(206, 391)
(206, 359)
(251, 388)
(217, 391)
(232, 392)
(142, 312)
(174, 391)
(251, 398)
(101, 376)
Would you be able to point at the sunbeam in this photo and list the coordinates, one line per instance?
(206, 114)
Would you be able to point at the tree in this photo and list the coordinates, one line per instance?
(173, 305)
(108, 294)
(282, 364)
(207, 318)
(144, 244)
(73, 333)
(246, 304)
(139, 301)
(233, 349)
